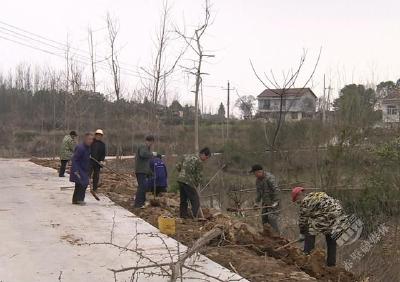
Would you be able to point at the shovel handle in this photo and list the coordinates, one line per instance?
(288, 244)
(248, 209)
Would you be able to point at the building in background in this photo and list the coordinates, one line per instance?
(390, 106)
(297, 104)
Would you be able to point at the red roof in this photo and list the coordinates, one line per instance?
(292, 92)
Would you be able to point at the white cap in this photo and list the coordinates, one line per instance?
(99, 131)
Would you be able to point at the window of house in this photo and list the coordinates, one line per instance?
(391, 110)
(266, 105)
(294, 115)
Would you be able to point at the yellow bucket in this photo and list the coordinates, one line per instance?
(166, 225)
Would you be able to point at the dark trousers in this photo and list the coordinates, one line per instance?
(188, 193)
(140, 198)
(309, 245)
(95, 173)
(79, 193)
(268, 216)
(62, 168)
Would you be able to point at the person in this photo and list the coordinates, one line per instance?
(66, 151)
(267, 196)
(80, 169)
(189, 179)
(319, 213)
(159, 176)
(97, 157)
(142, 169)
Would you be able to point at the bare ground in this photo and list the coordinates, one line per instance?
(243, 249)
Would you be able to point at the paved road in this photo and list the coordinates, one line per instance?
(43, 237)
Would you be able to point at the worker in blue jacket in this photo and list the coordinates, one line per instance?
(80, 169)
(158, 181)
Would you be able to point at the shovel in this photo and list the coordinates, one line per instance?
(94, 195)
(288, 244)
(249, 209)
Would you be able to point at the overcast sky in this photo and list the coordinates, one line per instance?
(360, 39)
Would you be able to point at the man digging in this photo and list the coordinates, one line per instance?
(320, 213)
(267, 197)
(142, 169)
(189, 180)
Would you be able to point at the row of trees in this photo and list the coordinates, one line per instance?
(175, 48)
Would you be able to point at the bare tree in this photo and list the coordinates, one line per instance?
(195, 42)
(172, 263)
(281, 89)
(162, 68)
(67, 81)
(23, 77)
(113, 30)
(159, 71)
(92, 55)
(76, 82)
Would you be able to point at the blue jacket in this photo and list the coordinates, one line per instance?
(159, 174)
(80, 165)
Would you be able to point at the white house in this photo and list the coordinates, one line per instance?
(390, 106)
(297, 103)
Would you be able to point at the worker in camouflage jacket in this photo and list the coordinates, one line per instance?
(66, 151)
(190, 170)
(320, 213)
(267, 196)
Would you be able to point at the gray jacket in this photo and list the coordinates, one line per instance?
(142, 159)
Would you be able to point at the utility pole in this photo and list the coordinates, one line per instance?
(326, 101)
(323, 104)
(165, 102)
(228, 108)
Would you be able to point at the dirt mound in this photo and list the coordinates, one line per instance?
(267, 244)
(244, 250)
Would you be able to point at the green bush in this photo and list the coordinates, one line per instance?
(380, 197)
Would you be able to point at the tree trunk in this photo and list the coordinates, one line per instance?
(216, 232)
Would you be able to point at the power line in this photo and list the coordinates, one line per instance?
(19, 35)
(61, 46)
(27, 38)
(33, 47)
(58, 55)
